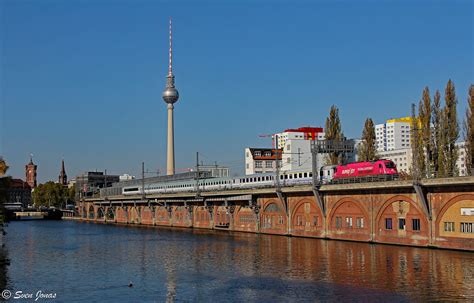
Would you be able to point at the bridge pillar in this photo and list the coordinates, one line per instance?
(372, 219)
(169, 208)
(139, 213)
(153, 214)
(190, 210)
(125, 210)
(231, 210)
(256, 210)
(210, 209)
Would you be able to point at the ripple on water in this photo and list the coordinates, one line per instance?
(96, 262)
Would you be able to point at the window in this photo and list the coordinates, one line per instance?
(268, 154)
(280, 220)
(258, 153)
(360, 222)
(338, 222)
(315, 220)
(268, 164)
(467, 227)
(349, 222)
(401, 224)
(449, 226)
(288, 147)
(416, 224)
(388, 223)
(299, 220)
(258, 164)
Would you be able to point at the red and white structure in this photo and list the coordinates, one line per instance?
(294, 146)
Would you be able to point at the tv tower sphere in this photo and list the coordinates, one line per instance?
(170, 94)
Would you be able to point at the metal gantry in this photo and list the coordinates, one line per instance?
(326, 147)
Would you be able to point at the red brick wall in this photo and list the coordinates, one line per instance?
(359, 216)
(245, 219)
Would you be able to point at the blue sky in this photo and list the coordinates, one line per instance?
(82, 79)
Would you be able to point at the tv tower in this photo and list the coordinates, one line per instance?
(170, 96)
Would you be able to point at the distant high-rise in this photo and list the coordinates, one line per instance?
(30, 172)
(62, 175)
(394, 134)
(170, 96)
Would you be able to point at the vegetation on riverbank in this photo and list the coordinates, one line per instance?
(53, 194)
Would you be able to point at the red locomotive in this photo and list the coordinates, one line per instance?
(383, 168)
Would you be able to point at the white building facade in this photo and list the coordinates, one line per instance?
(261, 160)
(461, 163)
(393, 135)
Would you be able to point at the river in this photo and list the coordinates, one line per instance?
(84, 262)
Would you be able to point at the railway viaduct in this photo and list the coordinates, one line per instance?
(430, 213)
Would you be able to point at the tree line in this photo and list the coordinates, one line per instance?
(53, 194)
(434, 132)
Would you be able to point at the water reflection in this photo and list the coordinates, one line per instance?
(92, 262)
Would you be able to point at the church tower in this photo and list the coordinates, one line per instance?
(62, 175)
(30, 171)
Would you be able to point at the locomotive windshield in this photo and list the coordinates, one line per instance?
(389, 164)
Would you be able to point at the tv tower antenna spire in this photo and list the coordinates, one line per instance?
(170, 66)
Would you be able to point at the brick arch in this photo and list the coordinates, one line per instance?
(121, 214)
(306, 222)
(91, 212)
(274, 221)
(450, 203)
(110, 213)
(134, 214)
(147, 216)
(300, 203)
(344, 200)
(100, 213)
(395, 199)
(277, 202)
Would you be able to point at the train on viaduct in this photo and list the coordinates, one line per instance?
(428, 213)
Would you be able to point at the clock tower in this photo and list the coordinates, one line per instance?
(30, 171)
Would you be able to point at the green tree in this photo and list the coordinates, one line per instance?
(416, 147)
(443, 168)
(71, 195)
(437, 136)
(426, 136)
(417, 125)
(51, 194)
(469, 131)
(452, 127)
(334, 132)
(367, 149)
(3, 167)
